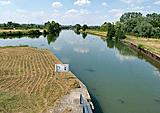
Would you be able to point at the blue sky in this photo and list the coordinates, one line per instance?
(71, 12)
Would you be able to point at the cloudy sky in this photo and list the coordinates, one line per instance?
(71, 12)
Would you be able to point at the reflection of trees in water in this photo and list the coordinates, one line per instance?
(126, 51)
(20, 36)
(84, 35)
(110, 43)
(122, 48)
(52, 37)
(77, 32)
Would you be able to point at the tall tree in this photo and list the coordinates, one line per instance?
(84, 27)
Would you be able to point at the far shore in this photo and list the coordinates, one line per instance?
(14, 30)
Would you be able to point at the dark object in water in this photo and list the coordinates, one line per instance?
(42, 45)
(157, 100)
(121, 101)
(91, 70)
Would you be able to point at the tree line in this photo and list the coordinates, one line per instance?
(49, 28)
(131, 23)
(12, 25)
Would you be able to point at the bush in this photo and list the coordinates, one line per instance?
(44, 32)
(140, 46)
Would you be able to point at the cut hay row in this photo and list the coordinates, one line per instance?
(27, 80)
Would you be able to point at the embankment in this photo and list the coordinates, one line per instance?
(28, 82)
(71, 101)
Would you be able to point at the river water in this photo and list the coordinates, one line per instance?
(118, 80)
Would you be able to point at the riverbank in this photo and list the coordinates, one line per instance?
(149, 43)
(28, 82)
(14, 30)
(19, 32)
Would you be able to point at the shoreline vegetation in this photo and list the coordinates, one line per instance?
(149, 44)
(28, 82)
(144, 31)
(13, 29)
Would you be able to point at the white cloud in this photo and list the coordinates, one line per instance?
(65, 60)
(38, 13)
(143, 12)
(130, 1)
(122, 57)
(55, 14)
(115, 10)
(55, 11)
(84, 11)
(156, 72)
(57, 48)
(105, 4)
(81, 50)
(57, 4)
(118, 15)
(106, 16)
(80, 12)
(134, 7)
(82, 2)
(148, 6)
(71, 11)
(158, 2)
(6, 13)
(5, 2)
(97, 12)
(20, 10)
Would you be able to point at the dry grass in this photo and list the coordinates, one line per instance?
(27, 80)
(149, 43)
(98, 33)
(14, 30)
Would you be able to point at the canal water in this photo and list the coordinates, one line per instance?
(118, 80)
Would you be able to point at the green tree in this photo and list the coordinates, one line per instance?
(111, 32)
(78, 27)
(84, 27)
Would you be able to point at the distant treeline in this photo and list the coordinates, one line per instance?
(131, 23)
(29, 32)
(52, 27)
(50, 37)
(11, 25)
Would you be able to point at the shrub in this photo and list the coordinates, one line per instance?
(140, 46)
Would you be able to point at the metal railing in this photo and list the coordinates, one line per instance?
(83, 104)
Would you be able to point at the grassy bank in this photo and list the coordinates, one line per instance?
(93, 32)
(27, 80)
(22, 32)
(149, 43)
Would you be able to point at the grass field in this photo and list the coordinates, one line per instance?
(12, 30)
(149, 43)
(98, 33)
(27, 80)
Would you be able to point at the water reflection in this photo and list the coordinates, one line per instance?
(21, 36)
(81, 50)
(97, 64)
(52, 37)
(84, 35)
(77, 32)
